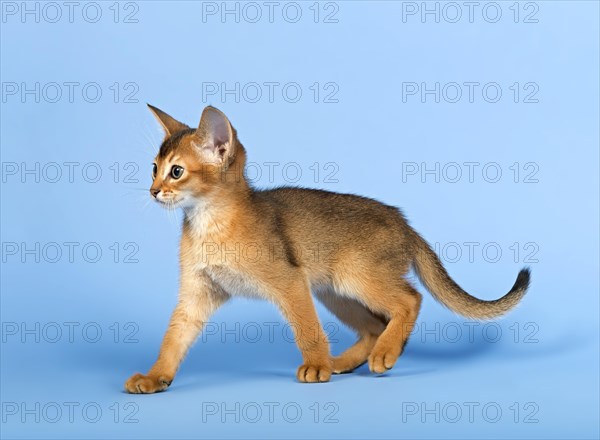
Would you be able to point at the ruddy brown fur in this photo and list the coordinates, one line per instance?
(281, 244)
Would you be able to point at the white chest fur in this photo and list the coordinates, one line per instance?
(219, 260)
(235, 283)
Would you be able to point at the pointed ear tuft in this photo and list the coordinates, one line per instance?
(169, 124)
(215, 135)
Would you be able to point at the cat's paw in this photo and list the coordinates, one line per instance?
(382, 359)
(140, 384)
(311, 373)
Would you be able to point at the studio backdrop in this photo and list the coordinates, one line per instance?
(478, 119)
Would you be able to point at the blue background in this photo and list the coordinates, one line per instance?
(549, 369)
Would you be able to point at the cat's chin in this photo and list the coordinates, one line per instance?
(172, 204)
(186, 203)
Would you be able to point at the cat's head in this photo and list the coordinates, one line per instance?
(195, 164)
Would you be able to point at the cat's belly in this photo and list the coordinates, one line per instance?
(235, 283)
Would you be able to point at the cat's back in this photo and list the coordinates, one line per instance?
(329, 212)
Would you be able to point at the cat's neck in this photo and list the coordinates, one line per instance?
(202, 219)
(212, 218)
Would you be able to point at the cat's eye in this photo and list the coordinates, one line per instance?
(154, 170)
(176, 172)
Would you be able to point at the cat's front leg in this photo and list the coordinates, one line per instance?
(296, 304)
(199, 297)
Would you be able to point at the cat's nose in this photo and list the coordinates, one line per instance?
(154, 192)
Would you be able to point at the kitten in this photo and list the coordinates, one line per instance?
(281, 244)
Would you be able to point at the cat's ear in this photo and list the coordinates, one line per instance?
(169, 124)
(215, 137)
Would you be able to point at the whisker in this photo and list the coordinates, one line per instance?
(150, 138)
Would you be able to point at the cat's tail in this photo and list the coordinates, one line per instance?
(433, 275)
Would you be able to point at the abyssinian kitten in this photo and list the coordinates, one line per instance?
(352, 252)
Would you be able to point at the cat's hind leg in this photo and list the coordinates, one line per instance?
(401, 303)
(354, 314)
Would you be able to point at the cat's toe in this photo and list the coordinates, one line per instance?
(141, 384)
(381, 361)
(314, 373)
